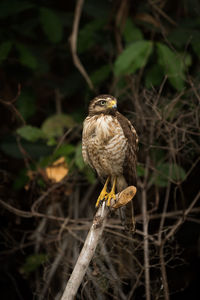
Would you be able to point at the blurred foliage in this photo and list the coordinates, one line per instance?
(166, 172)
(34, 52)
(33, 262)
(134, 57)
(44, 98)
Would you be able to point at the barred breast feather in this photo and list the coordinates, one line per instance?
(104, 145)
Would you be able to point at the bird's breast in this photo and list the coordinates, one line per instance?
(101, 128)
(105, 142)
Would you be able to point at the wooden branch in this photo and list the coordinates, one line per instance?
(92, 240)
(73, 43)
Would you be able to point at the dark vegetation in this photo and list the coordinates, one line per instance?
(146, 53)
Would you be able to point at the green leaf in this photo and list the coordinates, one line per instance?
(134, 57)
(33, 262)
(166, 172)
(4, 50)
(131, 33)
(100, 75)
(13, 8)
(26, 104)
(88, 34)
(177, 173)
(180, 37)
(66, 150)
(36, 150)
(154, 76)
(51, 24)
(31, 133)
(51, 141)
(56, 125)
(172, 65)
(26, 57)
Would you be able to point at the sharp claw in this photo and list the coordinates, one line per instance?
(101, 197)
(97, 203)
(104, 195)
(110, 196)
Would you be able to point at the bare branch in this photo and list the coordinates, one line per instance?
(146, 245)
(91, 242)
(73, 43)
(181, 220)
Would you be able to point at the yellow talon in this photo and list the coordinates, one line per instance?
(111, 195)
(103, 195)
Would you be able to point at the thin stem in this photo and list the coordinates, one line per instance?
(163, 273)
(146, 244)
(73, 43)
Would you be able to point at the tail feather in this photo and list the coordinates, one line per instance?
(127, 217)
(127, 212)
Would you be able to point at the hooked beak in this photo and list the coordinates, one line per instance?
(112, 104)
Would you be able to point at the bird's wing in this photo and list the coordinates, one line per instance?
(130, 161)
(129, 166)
(85, 143)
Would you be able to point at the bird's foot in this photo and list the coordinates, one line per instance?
(103, 196)
(110, 196)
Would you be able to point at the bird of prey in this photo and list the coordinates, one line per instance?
(109, 146)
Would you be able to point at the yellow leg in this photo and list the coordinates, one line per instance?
(111, 195)
(103, 194)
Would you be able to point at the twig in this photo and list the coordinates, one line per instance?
(117, 286)
(181, 220)
(163, 14)
(58, 101)
(171, 233)
(73, 43)
(163, 215)
(91, 242)
(146, 245)
(16, 211)
(38, 234)
(54, 268)
(11, 106)
(194, 88)
(28, 214)
(135, 285)
(163, 272)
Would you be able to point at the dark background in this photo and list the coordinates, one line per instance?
(145, 53)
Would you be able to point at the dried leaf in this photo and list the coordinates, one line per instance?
(58, 170)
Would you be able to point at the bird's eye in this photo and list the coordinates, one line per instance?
(102, 102)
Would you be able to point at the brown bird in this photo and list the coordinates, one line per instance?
(109, 146)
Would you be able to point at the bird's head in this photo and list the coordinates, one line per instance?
(103, 104)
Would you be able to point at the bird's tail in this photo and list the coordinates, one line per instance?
(127, 217)
(126, 212)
